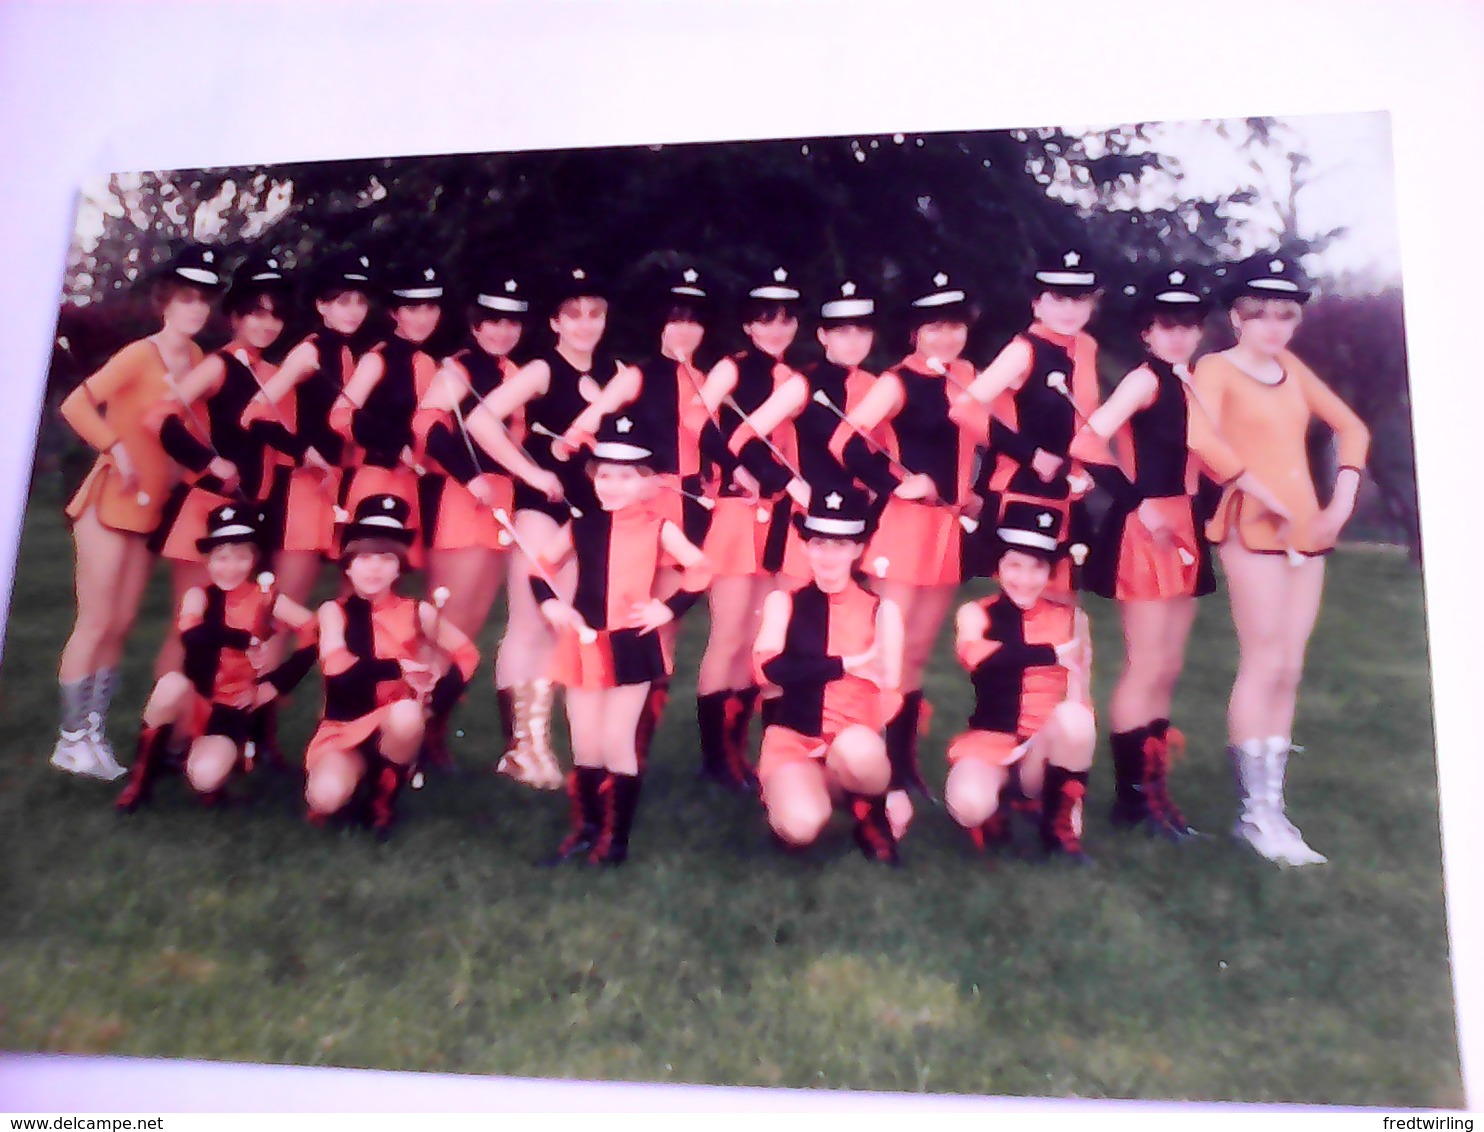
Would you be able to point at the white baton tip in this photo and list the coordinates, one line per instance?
(706, 504)
(880, 566)
(587, 634)
(503, 538)
(1186, 558)
(762, 514)
(936, 366)
(340, 514)
(440, 595)
(143, 498)
(1294, 557)
(266, 580)
(821, 397)
(1079, 552)
(968, 524)
(417, 780)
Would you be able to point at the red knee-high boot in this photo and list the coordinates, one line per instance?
(149, 759)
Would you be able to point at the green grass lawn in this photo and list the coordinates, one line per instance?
(1193, 972)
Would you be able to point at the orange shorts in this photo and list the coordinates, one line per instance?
(344, 735)
(615, 659)
(916, 543)
(783, 746)
(461, 522)
(177, 537)
(738, 538)
(1128, 564)
(994, 748)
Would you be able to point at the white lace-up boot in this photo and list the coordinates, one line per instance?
(1296, 851)
(108, 767)
(1256, 823)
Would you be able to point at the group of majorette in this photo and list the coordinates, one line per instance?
(828, 513)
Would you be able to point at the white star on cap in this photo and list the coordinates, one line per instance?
(509, 285)
(273, 263)
(1275, 265)
(940, 280)
(1044, 519)
(690, 275)
(1071, 259)
(1130, 289)
(428, 274)
(388, 503)
(623, 424)
(207, 256)
(228, 513)
(847, 289)
(1177, 277)
(365, 262)
(779, 275)
(833, 500)
(578, 273)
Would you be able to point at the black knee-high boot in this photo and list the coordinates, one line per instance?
(901, 746)
(1061, 812)
(872, 830)
(623, 800)
(1129, 804)
(585, 791)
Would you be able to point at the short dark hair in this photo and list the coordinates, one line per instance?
(237, 304)
(165, 289)
(1149, 317)
(767, 310)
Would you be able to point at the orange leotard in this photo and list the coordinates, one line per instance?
(1266, 426)
(113, 405)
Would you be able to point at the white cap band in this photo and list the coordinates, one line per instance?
(616, 450)
(501, 303)
(234, 529)
(1273, 284)
(772, 292)
(1067, 278)
(942, 298)
(382, 521)
(1176, 297)
(1017, 537)
(834, 526)
(420, 293)
(847, 308)
(199, 275)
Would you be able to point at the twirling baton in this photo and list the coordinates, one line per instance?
(142, 496)
(763, 514)
(585, 632)
(429, 644)
(264, 631)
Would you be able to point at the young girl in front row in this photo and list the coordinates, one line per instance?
(379, 653)
(1032, 731)
(607, 649)
(224, 625)
(834, 649)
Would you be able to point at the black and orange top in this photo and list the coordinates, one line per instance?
(758, 376)
(1017, 680)
(113, 406)
(301, 421)
(438, 431)
(823, 629)
(383, 425)
(922, 437)
(222, 408)
(216, 642)
(1266, 426)
(379, 633)
(1034, 414)
(568, 392)
(670, 402)
(619, 553)
(1162, 445)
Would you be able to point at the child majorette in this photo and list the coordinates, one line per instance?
(292, 415)
(1150, 553)
(834, 650)
(1032, 733)
(674, 417)
(201, 429)
(607, 649)
(466, 546)
(916, 552)
(120, 502)
(390, 380)
(224, 626)
(565, 391)
(811, 403)
(1039, 388)
(749, 527)
(1263, 399)
(381, 654)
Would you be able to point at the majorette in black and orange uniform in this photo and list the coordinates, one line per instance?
(365, 679)
(746, 537)
(301, 499)
(217, 663)
(674, 413)
(819, 699)
(618, 555)
(1019, 681)
(1160, 451)
(381, 427)
(810, 425)
(1039, 411)
(240, 372)
(453, 518)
